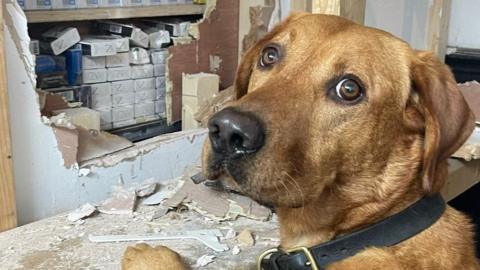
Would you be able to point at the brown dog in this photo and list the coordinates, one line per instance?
(339, 126)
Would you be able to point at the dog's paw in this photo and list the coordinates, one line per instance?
(145, 257)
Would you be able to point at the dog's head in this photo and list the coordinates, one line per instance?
(325, 105)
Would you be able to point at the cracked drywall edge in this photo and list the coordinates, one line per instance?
(194, 28)
(143, 148)
(16, 22)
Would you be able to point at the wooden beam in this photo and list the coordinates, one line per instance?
(351, 9)
(438, 22)
(8, 214)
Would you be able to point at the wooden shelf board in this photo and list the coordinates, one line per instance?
(38, 16)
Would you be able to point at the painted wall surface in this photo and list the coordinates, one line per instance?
(44, 187)
(464, 30)
(407, 19)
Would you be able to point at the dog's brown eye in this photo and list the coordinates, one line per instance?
(348, 90)
(270, 55)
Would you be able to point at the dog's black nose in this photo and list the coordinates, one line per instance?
(234, 132)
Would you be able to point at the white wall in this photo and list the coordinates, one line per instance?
(407, 19)
(44, 187)
(464, 28)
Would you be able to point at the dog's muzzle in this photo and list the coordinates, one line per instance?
(235, 133)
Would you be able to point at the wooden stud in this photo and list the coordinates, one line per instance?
(438, 22)
(351, 9)
(8, 214)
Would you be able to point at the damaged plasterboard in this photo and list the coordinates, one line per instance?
(67, 142)
(144, 147)
(218, 102)
(93, 144)
(218, 36)
(216, 204)
(121, 202)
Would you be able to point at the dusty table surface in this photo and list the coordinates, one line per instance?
(56, 243)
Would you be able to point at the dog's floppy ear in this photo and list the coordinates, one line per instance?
(447, 117)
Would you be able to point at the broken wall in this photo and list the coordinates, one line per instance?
(44, 187)
(215, 51)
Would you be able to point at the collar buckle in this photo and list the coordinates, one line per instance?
(310, 259)
(263, 255)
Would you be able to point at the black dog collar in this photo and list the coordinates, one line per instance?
(388, 232)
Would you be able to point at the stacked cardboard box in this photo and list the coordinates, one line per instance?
(73, 4)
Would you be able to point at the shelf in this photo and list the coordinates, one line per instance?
(38, 16)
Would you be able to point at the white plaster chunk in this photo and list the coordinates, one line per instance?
(204, 260)
(145, 189)
(82, 212)
(121, 202)
(236, 250)
(231, 233)
(84, 172)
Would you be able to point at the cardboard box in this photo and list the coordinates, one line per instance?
(160, 93)
(35, 46)
(64, 4)
(159, 70)
(136, 35)
(89, 62)
(120, 100)
(59, 39)
(123, 113)
(145, 96)
(159, 56)
(101, 102)
(124, 123)
(139, 38)
(158, 38)
(105, 116)
(144, 109)
(94, 75)
(154, 2)
(87, 3)
(122, 87)
(160, 107)
(118, 60)
(139, 56)
(82, 94)
(176, 27)
(146, 118)
(84, 117)
(38, 4)
(122, 44)
(110, 3)
(144, 84)
(202, 85)
(119, 73)
(98, 47)
(21, 3)
(106, 126)
(133, 3)
(101, 89)
(142, 71)
(160, 82)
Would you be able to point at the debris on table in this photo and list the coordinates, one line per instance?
(84, 211)
(204, 260)
(121, 202)
(146, 189)
(236, 250)
(246, 238)
(215, 204)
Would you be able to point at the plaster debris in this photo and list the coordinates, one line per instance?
(158, 213)
(246, 238)
(146, 189)
(60, 120)
(204, 260)
(82, 212)
(121, 202)
(231, 233)
(84, 172)
(236, 250)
